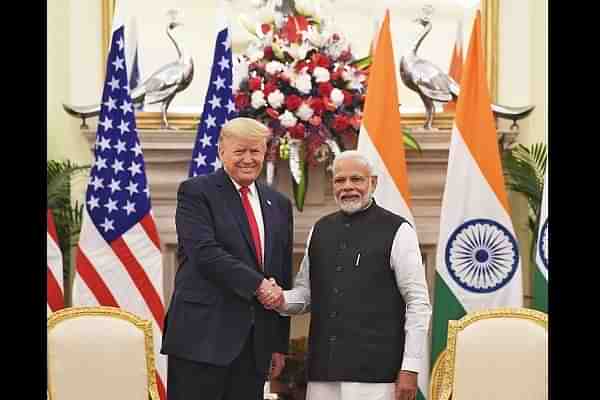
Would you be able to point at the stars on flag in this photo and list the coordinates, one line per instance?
(218, 108)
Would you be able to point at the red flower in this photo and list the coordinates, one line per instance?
(269, 87)
(347, 98)
(340, 123)
(297, 131)
(272, 113)
(254, 83)
(320, 60)
(317, 105)
(268, 51)
(346, 55)
(337, 74)
(299, 65)
(329, 106)
(292, 28)
(355, 121)
(325, 89)
(265, 28)
(242, 100)
(315, 120)
(292, 102)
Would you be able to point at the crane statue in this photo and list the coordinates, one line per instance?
(161, 87)
(432, 84)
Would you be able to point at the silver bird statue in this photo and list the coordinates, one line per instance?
(161, 87)
(433, 84)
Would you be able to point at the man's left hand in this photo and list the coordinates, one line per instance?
(406, 385)
(277, 364)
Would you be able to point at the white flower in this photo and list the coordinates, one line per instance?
(347, 74)
(321, 74)
(240, 72)
(275, 98)
(254, 53)
(304, 112)
(298, 52)
(265, 15)
(257, 3)
(314, 36)
(287, 119)
(303, 83)
(274, 67)
(337, 97)
(258, 99)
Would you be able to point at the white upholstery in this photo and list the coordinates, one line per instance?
(497, 355)
(97, 356)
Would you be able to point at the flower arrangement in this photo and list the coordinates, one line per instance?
(300, 78)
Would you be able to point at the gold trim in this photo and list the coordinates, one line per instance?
(108, 10)
(436, 380)
(454, 327)
(489, 27)
(144, 325)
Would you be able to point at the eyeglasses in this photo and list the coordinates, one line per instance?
(354, 180)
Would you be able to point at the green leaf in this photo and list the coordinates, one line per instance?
(362, 63)
(410, 142)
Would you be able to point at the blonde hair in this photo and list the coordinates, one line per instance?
(244, 127)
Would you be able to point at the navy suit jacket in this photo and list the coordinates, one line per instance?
(214, 304)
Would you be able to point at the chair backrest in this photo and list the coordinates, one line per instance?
(437, 376)
(497, 354)
(100, 353)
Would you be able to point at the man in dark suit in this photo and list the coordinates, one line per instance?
(234, 244)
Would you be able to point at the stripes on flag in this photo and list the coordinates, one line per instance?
(119, 261)
(478, 262)
(218, 104)
(55, 292)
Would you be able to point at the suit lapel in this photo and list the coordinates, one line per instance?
(234, 203)
(268, 214)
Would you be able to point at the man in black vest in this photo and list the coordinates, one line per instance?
(363, 281)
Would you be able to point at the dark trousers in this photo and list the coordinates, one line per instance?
(240, 380)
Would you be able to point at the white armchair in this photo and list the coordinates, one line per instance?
(100, 353)
(495, 354)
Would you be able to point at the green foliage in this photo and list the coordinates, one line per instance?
(67, 216)
(410, 142)
(524, 169)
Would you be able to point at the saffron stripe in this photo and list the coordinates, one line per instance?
(150, 227)
(55, 297)
(94, 281)
(140, 279)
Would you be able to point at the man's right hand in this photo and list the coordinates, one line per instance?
(270, 294)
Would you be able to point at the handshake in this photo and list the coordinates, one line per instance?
(270, 294)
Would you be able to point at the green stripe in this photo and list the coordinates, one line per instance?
(539, 291)
(445, 307)
(420, 395)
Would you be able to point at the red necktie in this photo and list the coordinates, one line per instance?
(252, 222)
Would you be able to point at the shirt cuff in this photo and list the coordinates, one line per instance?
(411, 364)
(292, 306)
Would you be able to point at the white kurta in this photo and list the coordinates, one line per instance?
(406, 261)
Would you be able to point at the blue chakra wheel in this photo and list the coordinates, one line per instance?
(543, 244)
(481, 255)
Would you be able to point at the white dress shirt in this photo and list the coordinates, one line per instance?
(255, 204)
(406, 261)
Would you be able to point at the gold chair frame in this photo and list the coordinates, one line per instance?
(442, 375)
(144, 325)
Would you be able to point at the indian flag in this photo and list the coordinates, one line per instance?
(540, 273)
(381, 141)
(477, 263)
(380, 138)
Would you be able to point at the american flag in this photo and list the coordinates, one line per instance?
(119, 261)
(55, 291)
(218, 106)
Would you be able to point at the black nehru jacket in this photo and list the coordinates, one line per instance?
(357, 312)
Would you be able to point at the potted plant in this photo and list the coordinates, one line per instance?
(67, 216)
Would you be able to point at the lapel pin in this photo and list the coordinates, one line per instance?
(269, 202)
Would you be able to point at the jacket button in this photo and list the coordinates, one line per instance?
(339, 268)
(336, 290)
(332, 338)
(333, 314)
(343, 245)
